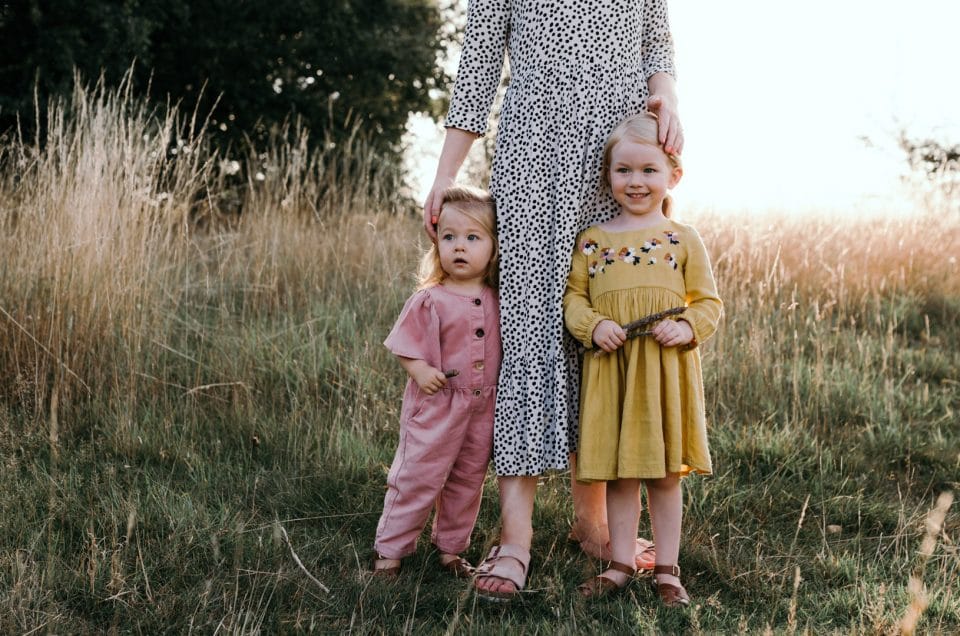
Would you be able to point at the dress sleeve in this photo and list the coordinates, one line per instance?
(416, 334)
(657, 40)
(704, 307)
(481, 63)
(578, 312)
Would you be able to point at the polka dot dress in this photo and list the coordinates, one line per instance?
(577, 67)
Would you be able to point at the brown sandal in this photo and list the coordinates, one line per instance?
(670, 595)
(458, 567)
(599, 586)
(385, 572)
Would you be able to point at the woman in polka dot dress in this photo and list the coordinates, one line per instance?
(577, 68)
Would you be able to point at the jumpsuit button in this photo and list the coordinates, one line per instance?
(476, 393)
(476, 301)
(478, 366)
(479, 333)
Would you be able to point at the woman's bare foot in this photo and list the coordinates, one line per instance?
(645, 556)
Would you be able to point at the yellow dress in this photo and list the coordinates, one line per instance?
(641, 407)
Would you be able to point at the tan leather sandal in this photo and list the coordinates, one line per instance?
(601, 585)
(507, 563)
(670, 595)
(457, 566)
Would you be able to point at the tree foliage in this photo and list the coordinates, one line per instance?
(937, 162)
(249, 64)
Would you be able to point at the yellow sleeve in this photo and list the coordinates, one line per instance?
(704, 307)
(578, 312)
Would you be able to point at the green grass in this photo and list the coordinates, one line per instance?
(173, 402)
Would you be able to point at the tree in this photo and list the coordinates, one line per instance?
(936, 162)
(249, 64)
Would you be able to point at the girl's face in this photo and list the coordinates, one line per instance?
(640, 175)
(464, 245)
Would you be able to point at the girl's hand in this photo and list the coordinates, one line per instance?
(609, 336)
(672, 333)
(429, 379)
(431, 205)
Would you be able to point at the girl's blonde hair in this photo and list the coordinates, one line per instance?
(477, 205)
(641, 128)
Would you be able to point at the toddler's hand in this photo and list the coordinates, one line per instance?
(672, 333)
(609, 336)
(430, 379)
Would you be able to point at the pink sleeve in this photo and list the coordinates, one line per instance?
(416, 334)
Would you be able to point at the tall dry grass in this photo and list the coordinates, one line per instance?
(118, 221)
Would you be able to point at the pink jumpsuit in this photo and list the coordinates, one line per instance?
(446, 438)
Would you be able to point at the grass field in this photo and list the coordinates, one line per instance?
(195, 425)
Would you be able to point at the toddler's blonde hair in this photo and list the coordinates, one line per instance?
(641, 128)
(478, 205)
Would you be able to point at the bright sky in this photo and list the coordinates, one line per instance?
(777, 97)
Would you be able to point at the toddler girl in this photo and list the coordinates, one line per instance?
(447, 338)
(641, 402)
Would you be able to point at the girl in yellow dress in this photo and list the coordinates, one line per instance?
(641, 400)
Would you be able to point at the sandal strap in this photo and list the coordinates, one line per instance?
(622, 567)
(491, 566)
(673, 570)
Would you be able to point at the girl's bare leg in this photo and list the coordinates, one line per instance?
(516, 523)
(623, 512)
(666, 515)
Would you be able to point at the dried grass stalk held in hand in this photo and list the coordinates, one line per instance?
(636, 329)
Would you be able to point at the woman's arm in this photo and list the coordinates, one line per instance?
(456, 145)
(478, 75)
(661, 73)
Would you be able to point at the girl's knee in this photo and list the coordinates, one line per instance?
(672, 480)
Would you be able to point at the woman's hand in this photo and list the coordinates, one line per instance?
(456, 145)
(609, 336)
(672, 333)
(663, 103)
(431, 205)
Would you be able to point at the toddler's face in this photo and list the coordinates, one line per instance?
(640, 176)
(465, 246)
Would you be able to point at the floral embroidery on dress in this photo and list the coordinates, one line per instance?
(629, 255)
(606, 258)
(672, 237)
(670, 259)
(652, 261)
(649, 246)
(589, 247)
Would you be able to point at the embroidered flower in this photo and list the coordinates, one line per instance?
(606, 254)
(672, 237)
(670, 259)
(649, 246)
(629, 255)
(593, 268)
(589, 247)
(652, 261)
